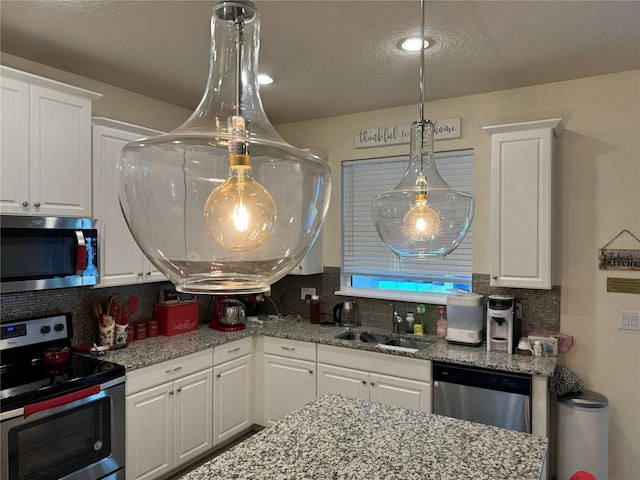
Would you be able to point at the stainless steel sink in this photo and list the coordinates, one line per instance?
(407, 343)
(366, 337)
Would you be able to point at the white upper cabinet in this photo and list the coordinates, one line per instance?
(121, 260)
(522, 204)
(46, 146)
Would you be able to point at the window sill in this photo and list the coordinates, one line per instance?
(415, 297)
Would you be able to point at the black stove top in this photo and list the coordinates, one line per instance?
(26, 379)
(24, 386)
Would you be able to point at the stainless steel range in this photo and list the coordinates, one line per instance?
(61, 414)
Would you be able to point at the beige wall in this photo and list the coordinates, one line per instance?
(600, 189)
(115, 103)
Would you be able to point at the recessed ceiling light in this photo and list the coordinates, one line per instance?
(412, 44)
(264, 79)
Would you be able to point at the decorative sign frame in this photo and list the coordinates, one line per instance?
(399, 134)
(621, 253)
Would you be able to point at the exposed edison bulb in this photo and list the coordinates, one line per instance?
(421, 222)
(240, 214)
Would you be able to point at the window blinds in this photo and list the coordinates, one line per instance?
(363, 252)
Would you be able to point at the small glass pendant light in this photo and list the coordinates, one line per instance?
(222, 204)
(422, 216)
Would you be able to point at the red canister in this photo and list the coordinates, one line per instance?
(141, 330)
(152, 328)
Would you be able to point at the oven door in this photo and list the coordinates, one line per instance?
(79, 440)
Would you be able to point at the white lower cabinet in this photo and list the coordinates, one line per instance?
(399, 381)
(232, 390)
(169, 410)
(288, 377)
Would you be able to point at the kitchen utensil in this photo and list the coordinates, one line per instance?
(55, 356)
(344, 314)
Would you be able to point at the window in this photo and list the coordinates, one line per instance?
(369, 268)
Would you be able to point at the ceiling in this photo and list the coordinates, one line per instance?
(330, 57)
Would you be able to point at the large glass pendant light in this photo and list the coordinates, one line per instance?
(422, 216)
(222, 204)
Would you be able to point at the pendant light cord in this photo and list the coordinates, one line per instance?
(422, 123)
(239, 24)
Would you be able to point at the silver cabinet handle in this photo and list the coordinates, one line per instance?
(288, 349)
(173, 370)
(37, 204)
(233, 350)
(25, 204)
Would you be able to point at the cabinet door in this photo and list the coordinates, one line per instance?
(353, 383)
(231, 398)
(60, 166)
(401, 392)
(193, 416)
(289, 384)
(521, 204)
(14, 144)
(121, 260)
(149, 433)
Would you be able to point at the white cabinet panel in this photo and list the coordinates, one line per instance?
(232, 386)
(289, 384)
(346, 381)
(522, 204)
(46, 137)
(149, 433)
(121, 260)
(401, 392)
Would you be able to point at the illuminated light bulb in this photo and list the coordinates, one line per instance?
(421, 222)
(240, 214)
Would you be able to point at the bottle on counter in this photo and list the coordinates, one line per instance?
(537, 348)
(441, 325)
(422, 318)
(314, 309)
(410, 320)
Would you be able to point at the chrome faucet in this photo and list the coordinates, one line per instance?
(396, 320)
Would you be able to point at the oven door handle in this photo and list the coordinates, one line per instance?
(62, 400)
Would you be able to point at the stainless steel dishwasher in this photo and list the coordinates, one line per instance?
(485, 396)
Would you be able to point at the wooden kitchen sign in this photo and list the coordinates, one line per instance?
(399, 134)
(621, 253)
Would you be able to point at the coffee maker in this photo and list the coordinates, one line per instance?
(503, 328)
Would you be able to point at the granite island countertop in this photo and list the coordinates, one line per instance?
(336, 437)
(154, 350)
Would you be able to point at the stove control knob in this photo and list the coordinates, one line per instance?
(58, 327)
(45, 329)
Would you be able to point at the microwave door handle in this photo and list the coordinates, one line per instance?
(62, 400)
(81, 252)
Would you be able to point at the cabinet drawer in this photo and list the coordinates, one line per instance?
(152, 375)
(285, 347)
(231, 351)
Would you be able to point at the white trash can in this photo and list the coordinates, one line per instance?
(583, 434)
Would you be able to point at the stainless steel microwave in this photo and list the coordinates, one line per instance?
(38, 253)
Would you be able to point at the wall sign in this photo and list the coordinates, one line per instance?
(621, 253)
(399, 134)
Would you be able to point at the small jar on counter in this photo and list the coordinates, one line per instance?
(141, 330)
(152, 328)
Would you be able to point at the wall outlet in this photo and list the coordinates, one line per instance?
(629, 320)
(306, 291)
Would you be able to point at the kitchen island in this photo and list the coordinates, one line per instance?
(336, 437)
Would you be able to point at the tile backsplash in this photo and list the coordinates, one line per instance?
(541, 308)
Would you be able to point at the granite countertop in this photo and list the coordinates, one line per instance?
(154, 350)
(336, 437)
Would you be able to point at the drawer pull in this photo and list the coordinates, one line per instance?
(173, 370)
(179, 389)
(364, 382)
(288, 349)
(373, 383)
(171, 392)
(233, 350)
(218, 375)
(311, 372)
